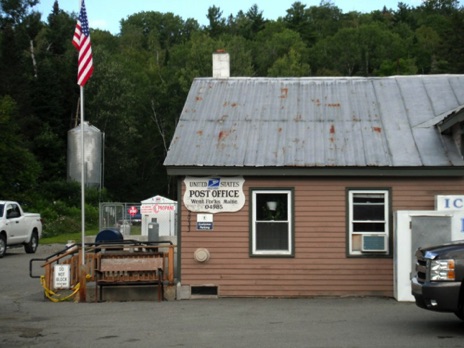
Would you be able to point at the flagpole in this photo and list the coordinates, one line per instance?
(82, 172)
(81, 41)
(82, 178)
(83, 272)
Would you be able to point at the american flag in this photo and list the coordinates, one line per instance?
(81, 41)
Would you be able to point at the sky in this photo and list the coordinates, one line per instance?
(107, 14)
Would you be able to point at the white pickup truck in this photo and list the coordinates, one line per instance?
(18, 228)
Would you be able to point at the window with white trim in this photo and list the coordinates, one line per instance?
(271, 225)
(368, 221)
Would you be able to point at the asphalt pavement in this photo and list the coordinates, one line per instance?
(27, 319)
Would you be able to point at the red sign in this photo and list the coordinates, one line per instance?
(157, 208)
(132, 211)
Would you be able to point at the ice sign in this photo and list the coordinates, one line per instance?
(449, 202)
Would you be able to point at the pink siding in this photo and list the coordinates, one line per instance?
(320, 266)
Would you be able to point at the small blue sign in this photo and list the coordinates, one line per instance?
(204, 226)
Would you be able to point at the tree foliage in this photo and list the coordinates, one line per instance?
(143, 74)
(19, 169)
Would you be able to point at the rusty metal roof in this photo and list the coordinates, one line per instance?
(317, 122)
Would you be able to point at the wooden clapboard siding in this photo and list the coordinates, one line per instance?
(320, 266)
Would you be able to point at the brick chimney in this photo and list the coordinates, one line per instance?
(221, 64)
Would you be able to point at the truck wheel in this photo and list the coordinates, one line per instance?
(2, 245)
(31, 247)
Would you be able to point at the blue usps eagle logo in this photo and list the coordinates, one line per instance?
(214, 183)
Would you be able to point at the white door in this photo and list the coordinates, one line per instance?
(15, 224)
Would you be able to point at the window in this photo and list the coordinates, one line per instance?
(12, 211)
(272, 227)
(368, 222)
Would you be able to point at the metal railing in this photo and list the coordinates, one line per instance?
(72, 255)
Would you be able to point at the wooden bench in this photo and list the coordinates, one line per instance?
(129, 268)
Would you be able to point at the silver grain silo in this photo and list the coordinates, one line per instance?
(92, 153)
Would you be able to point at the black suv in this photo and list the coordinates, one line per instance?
(439, 281)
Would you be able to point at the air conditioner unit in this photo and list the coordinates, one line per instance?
(374, 243)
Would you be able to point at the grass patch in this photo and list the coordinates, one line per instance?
(77, 236)
(65, 237)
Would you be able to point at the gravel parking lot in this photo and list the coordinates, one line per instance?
(29, 320)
